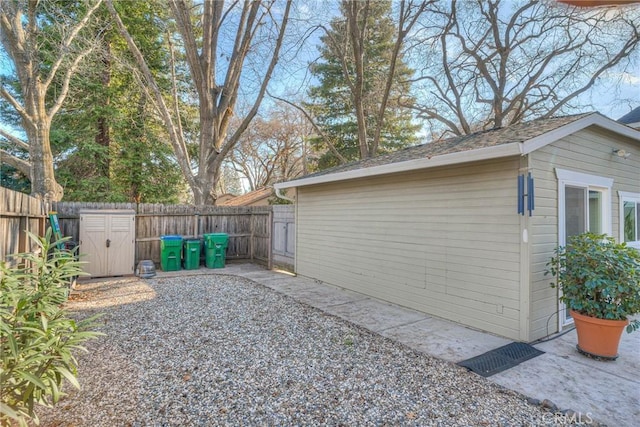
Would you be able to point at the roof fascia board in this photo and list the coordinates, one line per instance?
(504, 150)
(592, 119)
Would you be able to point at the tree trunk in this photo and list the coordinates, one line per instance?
(43, 180)
(217, 101)
(204, 192)
(22, 40)
(103, 136)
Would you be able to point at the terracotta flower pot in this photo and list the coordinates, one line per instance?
(598, 337)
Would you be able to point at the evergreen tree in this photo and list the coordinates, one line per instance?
(110, 145)
(332, 101)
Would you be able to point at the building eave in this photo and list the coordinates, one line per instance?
(487, 153)
(498, 151)
(595, 119)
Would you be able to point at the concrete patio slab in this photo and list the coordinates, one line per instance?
(445, 339)
(608, 391)
(323, 296)
(628, 360)
(285, 284)
(375, 315)
(255, 275)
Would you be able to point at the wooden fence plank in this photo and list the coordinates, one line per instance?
(19, 214)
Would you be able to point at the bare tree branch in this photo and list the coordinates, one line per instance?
(21, 37)
(14, 103)
(357, 12)
(14, 140)
(64, 48)
(273, 149)
(13, 161)
(406, 20)
(317, 128)
(66, 80)
(508, 66)
(263, 87)
(216, 103)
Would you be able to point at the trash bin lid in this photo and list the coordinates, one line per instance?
(171, 237)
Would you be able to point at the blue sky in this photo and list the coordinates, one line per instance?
(610, 100)
(615, 95)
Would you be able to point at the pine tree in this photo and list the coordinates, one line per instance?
(332, 101)
(111, 146)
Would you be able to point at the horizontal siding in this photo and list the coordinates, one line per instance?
(444, 241)
(587, 151)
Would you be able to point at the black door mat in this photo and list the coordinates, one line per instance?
(501, 358)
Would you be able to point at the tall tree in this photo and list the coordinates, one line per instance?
(219, 42)
(110, 144)
(45, 44)
(273, 149)
(362, 79)
(229, 182)
(491, 63)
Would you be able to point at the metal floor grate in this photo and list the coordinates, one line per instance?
(500, 359)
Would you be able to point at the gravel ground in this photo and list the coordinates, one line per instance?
(222, 350)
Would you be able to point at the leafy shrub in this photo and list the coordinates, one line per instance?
(598, 277)
(37, 338)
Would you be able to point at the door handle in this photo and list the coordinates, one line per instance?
(108, 242)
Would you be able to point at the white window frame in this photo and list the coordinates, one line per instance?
(625, 196)
(590, 182)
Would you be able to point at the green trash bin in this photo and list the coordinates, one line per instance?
(215, 245)
(170, 252)
(191, 254)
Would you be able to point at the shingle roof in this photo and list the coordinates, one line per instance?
(632, 116)
(251, 197)
(514, 133)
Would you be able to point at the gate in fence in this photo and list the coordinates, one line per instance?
(284, 235)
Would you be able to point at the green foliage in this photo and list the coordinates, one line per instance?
(598, 277)
(331, 100)
(109, 143)
(37, 338)
(275, 200)
(14, 179)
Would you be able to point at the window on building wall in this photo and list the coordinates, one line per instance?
(630, 218)
(584, 204)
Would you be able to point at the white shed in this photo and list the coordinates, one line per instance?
(107, 241)
(462, 228)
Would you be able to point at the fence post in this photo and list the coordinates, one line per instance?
(269, 230)
(251, 237)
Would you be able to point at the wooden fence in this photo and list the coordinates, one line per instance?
(249, 228)
(19, 213)
(253, 233)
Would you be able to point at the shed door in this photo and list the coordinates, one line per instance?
(93, 235)
(121, 252)
(108, 244)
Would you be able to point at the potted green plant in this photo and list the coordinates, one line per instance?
(599, 281)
